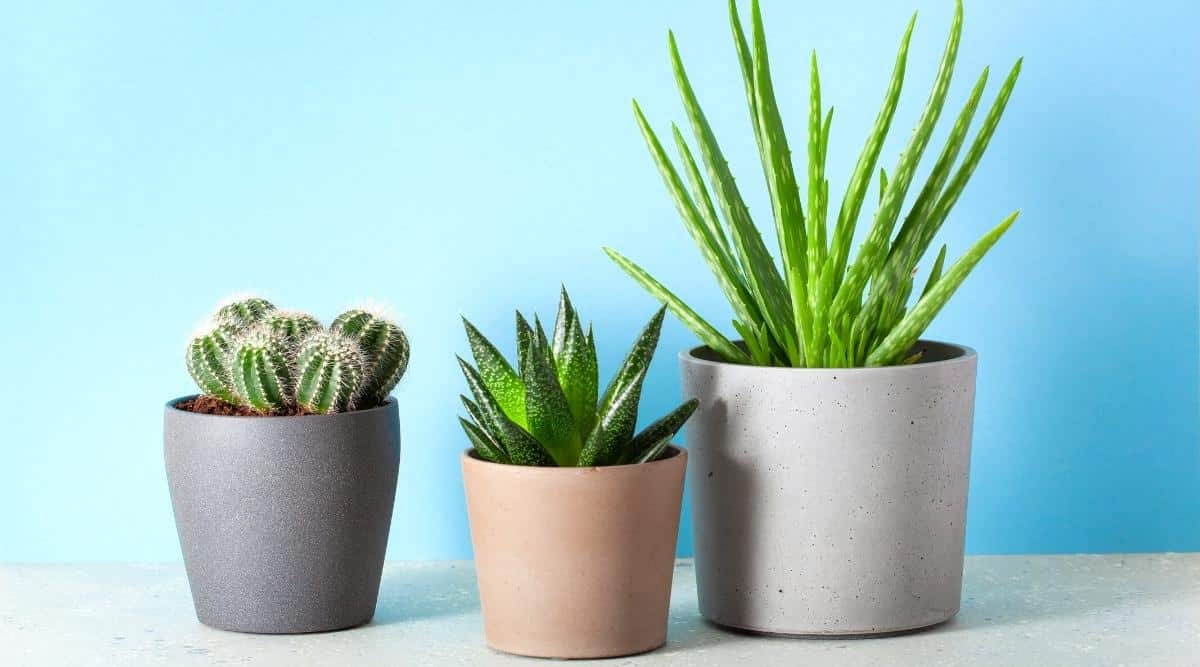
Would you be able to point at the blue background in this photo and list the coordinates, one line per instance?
(453, 158)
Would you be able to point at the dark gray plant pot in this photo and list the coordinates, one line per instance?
(283, 521)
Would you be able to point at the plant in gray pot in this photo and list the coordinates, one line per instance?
(573, 517)
(283, 472)
(829, 454)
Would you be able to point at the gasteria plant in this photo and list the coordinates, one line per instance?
(271, 361)
(545, 412)
(821, 310)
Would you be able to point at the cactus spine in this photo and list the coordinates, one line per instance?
(260, 365)
(385, 352)
(329, 371)
(239, 315)
(208, 363)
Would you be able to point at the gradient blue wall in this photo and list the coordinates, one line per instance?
(456, 158)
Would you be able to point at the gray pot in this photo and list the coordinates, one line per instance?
(283, 521)
(830, 501)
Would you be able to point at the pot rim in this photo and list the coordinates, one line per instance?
(389, 404)
(964, 354)
(677, 452)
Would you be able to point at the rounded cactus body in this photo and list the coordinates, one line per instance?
(291, 327)
(260, 364)
(385, 352)
(239, 315)
(329, 373)
(208, 363)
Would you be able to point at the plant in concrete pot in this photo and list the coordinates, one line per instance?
(283, 472)
(573, 516)
(830, 449)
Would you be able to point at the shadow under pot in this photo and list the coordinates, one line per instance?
(575, 562)
(283, 521)
(830, 501)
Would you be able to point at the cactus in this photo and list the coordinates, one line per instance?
(291, 327)
(237, 314)
(260, 363)
(385, 352)
(208, 362)
(329, 372)
(284, 362)
(545, 412)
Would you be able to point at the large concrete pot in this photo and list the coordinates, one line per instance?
(830, 501)
(575, 562)
(283, 521)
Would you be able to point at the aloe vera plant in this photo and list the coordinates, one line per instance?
(819, 308)
(548, 412)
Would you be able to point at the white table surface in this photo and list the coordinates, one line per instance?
(1045, 611)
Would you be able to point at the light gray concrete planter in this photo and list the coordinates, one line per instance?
(283, 521)
(830, 501)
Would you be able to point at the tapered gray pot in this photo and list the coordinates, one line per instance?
(830, 501)
(283, 521)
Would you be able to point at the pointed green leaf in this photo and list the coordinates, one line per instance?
(562, 323)
(615, 423)
(484, 446)
(906, 333)
(703, 330)
(653, 439)
(550, 418)
(522, 448)
(935, 273)
(578, 376)
(498, 376)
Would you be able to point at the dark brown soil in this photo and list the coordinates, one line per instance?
(214, 406)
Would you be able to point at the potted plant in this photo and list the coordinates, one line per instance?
(573, 517)
(283, 472)
(830, 449)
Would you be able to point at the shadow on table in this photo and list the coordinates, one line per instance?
(415, 592)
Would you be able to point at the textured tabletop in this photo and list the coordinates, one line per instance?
(1017, 610)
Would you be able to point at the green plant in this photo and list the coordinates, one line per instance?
(821, 310)
(282, 362)
(545, 411)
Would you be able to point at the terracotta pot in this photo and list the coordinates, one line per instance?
(830, 501)
(575, 562)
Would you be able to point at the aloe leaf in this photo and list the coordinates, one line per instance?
(498, 376)
(652, 440)
(816, 175)
(860, 178)
(872, 251)
(703, 330)
(882, 183)
(700, 195)
(781, 179)
(487, 448)
(746, 61)
(540, 337)
(936, 272)
(525, 338)
(550, 419)
(762, 276)
(905, 334)
(636, 361)
(615, 422)
(577, 374)
(719, 262)
(522, 448)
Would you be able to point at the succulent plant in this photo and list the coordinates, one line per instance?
(329, 372)
(284, 362)
(260, 363)
(820, 309)
(545, 412)
(384, 347)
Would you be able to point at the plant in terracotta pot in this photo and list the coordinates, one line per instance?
(574, 516)
(830, 449)
(283, 471)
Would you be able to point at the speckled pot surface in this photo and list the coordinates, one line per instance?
(830, 501)
(575, 562)
(283, 521)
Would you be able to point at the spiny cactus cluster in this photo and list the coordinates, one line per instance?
(276, 362)
(545, 411)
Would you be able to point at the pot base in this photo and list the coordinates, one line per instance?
(584, 655)
(296, 630)
(848, 634)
